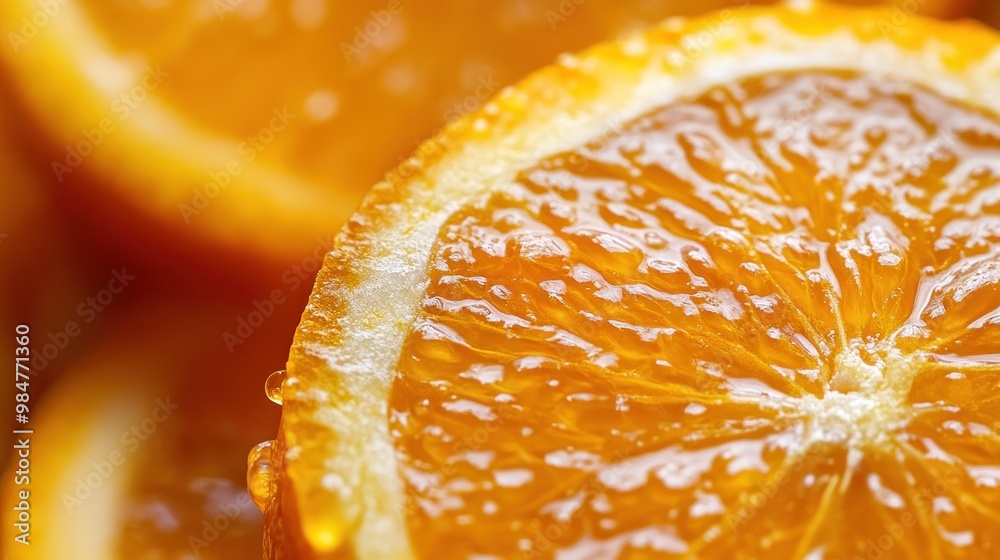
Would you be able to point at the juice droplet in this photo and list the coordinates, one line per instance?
(272, 387)
(325, 524)
(259, 482)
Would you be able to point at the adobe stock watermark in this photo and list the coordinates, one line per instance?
(292, 280)
(562, 12)
(792, 120)
(465, 446)
(902, 12)
(924, 505)
(566, 9)
(407, 166)
(367, 34)
(795, 118)
(129, 441)
(577, 163)
(247, 151)
(694, 45)
(31, 26)
(544, 538)
(486, 86)
(750, 503)
(228, 513)
(121, 109)
(940, 146)
(87, 311)
(223, 7)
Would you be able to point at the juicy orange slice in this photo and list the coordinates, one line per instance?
(692, 349)
(253, 126)
(646, 304)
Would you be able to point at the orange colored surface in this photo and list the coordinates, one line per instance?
(187, 124)
(355, 119)
(192, 497)
(45, 278)
(177, 481)
(757, 324)
(369, 80)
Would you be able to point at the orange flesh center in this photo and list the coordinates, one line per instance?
(760, 323)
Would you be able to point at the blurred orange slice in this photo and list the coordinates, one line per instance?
(726, 288)
(253, 127)
(81, 454)
(138, 451)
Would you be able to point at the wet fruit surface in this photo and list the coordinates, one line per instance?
(760, 323)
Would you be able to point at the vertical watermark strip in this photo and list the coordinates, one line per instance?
(22, 435)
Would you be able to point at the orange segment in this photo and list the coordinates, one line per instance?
(638, 334)
(642, 305)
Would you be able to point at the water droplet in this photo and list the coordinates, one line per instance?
(259, 482)
(272, 387)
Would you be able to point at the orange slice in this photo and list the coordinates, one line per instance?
(138, 450)
(82, 451)
(251, 127)
(726, 288)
